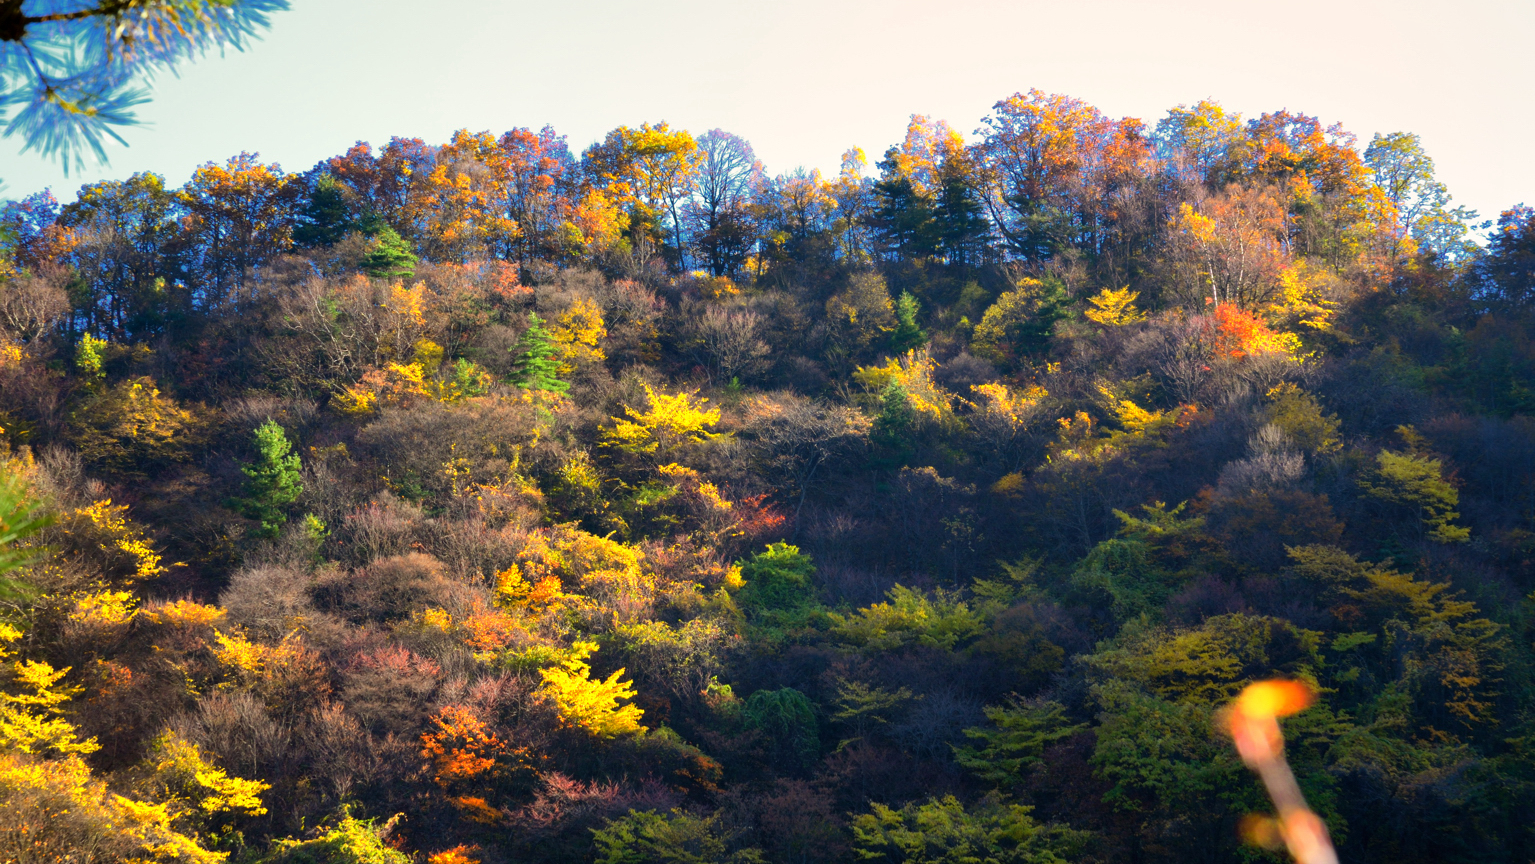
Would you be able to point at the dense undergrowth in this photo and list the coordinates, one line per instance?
(481, 503)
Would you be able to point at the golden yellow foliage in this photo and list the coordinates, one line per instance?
(1130, 415)
(665, 426)
(607, 571)
(185, 613)
(189, 781)
(1305, 297)
(358, 400)
(55, 808)
(707, 492)
(1200, 228)
(516, 593)
(456, 855)
(10, 352)
(395, 384)
(1113, 308)
(254, 664)
(240, 654)
(104, 608)
(1014, 408)
(433, 619)
(426, 354)
(132, 424)
(113, 532)
(1009, 485)
(409, 304)
(576, 333)
(590, 704)
(597, 223)
(31, 720)
(914, 374)
(713, 287)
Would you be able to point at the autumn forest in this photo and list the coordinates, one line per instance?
(486, 501)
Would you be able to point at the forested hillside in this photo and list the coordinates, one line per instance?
(486, 502)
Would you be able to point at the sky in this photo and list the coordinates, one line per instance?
(803, 80)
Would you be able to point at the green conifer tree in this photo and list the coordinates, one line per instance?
(535, 367)
(907, 334)
(272, 482)
(391, 256)
(894, 427)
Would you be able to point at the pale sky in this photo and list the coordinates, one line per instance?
(805, 80)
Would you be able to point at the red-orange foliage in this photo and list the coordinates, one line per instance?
(489, 628)
(463, 747)
(460, 854)
(759, 520)
(1239, 333)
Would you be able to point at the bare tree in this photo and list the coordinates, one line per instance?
(728, 340)
(30, 304)
(796, 436)
(718, 209)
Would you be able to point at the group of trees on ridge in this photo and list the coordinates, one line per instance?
(484, 503)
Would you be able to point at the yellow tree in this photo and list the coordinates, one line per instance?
(651, 170)
(1230, 248)
(922, 154)
(1206, 139)
(668, 424)
(466, 202)
(589, 703)
(241, 215)
(1113, 308)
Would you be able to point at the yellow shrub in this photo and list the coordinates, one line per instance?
(10, 352)
(55, 808)
(666, 425)
(914, 374)
(104, 609)
(1113, 308)
(237, 653)
(602, 567)
(131, 425)
(185, 613)
(395, 384)
(694, 482)
(433, 619)
(1130, 415)
(427, 355)
(577, 331)
(187, 780)
(590, 704)
(1003, 413)
(109, 523)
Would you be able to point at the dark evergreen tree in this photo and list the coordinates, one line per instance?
(1051, 306)
(325, 219)
(906, 219)
(961, 220)
(893, 428)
